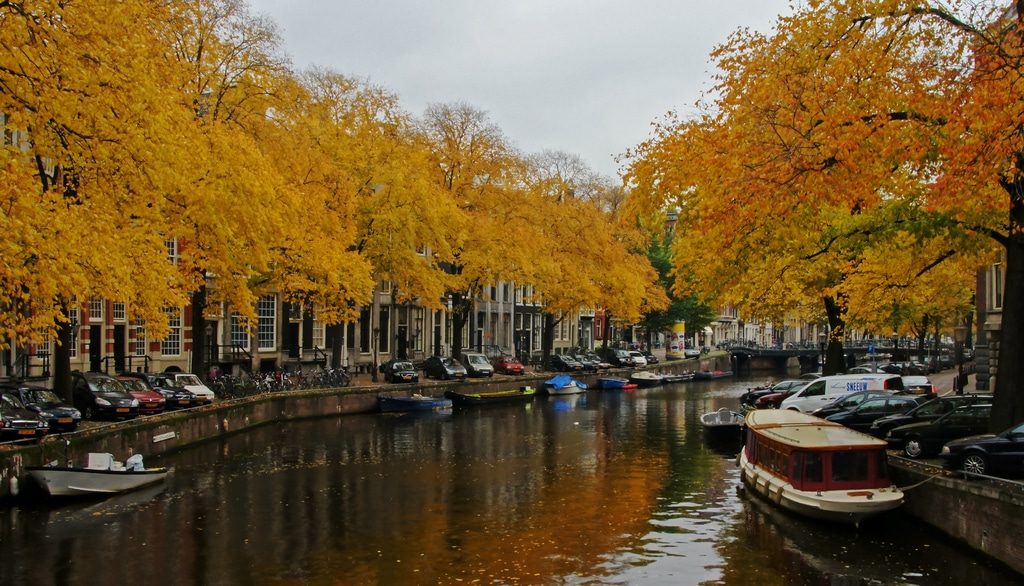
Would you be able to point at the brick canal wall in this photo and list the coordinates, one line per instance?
(986, 515)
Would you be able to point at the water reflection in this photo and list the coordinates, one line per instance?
(606, 487)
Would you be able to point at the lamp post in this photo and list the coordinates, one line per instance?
(822, 343)
(959, 337)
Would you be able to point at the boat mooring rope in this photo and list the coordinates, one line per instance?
(917, 484)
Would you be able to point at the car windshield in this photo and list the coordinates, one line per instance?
(105, 385)
(166, 381)
(477, 359)
(402, 366)
(134, 384)
(10, 402)
(188, 379)
(42, 396)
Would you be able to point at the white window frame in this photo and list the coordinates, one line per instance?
(73, 317)
(239, 332)
(171, 344)
(119, 312)
(173, 254)
(266, 329)
(141, 348)
(319, 330)
(96, 311)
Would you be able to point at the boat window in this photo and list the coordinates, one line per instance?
(882, 465)
(812, 467)
(796, 465)
(849, 466)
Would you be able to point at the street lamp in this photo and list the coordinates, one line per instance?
(959, 337)
(821, 342)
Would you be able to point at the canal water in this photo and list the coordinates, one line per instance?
(601, 488)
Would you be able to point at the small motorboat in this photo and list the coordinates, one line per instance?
(644, 378)
(615, 383)
(522, 394)
(711, 374)
(723, 423)
(564, 385)
(414, 402)
(676, 377)
(101, 476)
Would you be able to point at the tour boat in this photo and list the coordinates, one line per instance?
(521, 394)
(676, 377)
(711, 374)
(563, 385)
(815, 467)
(102, 476)
(414, 402)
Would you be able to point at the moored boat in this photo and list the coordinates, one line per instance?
(723, 423)
(676, 377)
(815, 467)
(102, 476)
(564, 385)
(645, 378)
(711, 374)
(522, 394)
(615, 383)
(414, 402)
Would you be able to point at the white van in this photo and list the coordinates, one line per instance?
(827, 388)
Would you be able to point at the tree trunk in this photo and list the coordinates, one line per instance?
(62, 360)
(607, 332)
(836, 312)
(1008, 403)
(547, 337)
(920, 340)
(199, 357)
(460, 313)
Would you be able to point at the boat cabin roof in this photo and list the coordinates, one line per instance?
(801, 430)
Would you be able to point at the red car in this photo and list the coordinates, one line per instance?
(773, 400)
(508, 365)
(150, 401)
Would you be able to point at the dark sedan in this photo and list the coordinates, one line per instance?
(444, 368)
(848, 402)
(750, 397)
(863, 415)
(917, 440)
(58, 415)
(399, 371)
(988, 454)
(17, 422)
(564, 363)
(928, 411)
(98, 395)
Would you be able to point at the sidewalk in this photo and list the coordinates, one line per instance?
(943, 381)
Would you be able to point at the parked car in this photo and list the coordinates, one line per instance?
(174, 397)
(590, 362)
(563, 362)
(98, 395)
(926, 438)
(988, 454)
(691, 353)
(863, 415)
(150, 401)
(444, 368)
(506, 364)
(59, 416)
(750, 397)
(477, 364)
(618, 357)
(927, 411)
(19, 423)
(638, 358)
(651, 358)
(188, 382)
(774, 400)
(399, 371)
(827, 388)
(847, 402)
(601, 364)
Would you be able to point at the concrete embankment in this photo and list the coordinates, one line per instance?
(987, 515)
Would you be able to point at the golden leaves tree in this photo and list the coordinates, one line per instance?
(851, 106)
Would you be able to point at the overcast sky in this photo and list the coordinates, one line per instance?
(582, 76)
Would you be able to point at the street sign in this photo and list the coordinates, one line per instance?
(871, 348)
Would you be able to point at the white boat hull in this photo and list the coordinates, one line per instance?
(569, 389)
(81, 481)
(847, 506)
